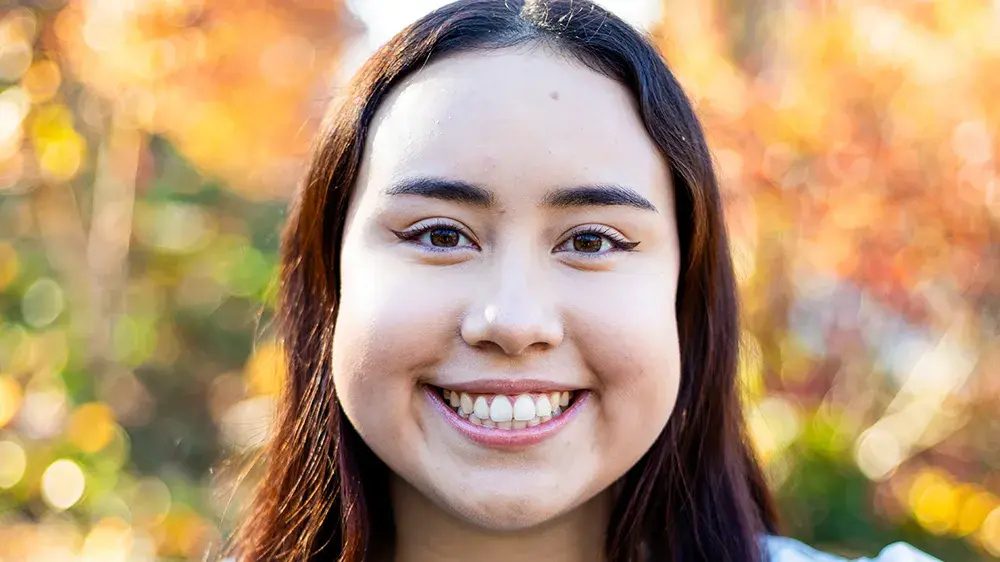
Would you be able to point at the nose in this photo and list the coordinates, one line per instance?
(516, 315)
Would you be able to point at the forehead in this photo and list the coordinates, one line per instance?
(514, 120)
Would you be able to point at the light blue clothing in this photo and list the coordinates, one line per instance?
(784, 549)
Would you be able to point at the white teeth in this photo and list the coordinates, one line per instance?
(481, 409)
(543, 407)
(527, 410)
(524, 408)
(501, 410)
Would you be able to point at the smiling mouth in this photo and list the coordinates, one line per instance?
(530, 409)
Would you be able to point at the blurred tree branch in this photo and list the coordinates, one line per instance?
(111, 229)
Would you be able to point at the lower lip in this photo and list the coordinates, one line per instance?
(506, 438)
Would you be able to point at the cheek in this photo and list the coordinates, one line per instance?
(628, 338)
(389, 312)
(391, 326)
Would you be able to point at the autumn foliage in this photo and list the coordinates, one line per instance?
(147, 150)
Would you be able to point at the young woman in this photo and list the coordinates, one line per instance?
(509, 312)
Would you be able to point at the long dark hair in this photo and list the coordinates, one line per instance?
(697, 494)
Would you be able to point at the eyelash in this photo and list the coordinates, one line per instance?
(618, 242)
(414, 232)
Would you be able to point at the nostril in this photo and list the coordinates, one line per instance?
(512, 348)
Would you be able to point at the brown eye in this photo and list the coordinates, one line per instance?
(437, 237)
(588, 243)
(444, 237)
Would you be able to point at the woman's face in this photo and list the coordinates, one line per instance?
(506, 341)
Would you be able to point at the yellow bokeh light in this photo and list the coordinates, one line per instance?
(10, 399)
(183, 532)
(61, 159)
(61, 150)
(51, 122)
(63, 484)
(265, 371)
(9, 265)
(13, 462)
(774, 424)
(18, 26)
(42, 80)
(975, 509)
(934, 502)
(989, 534)
(91, 427)
(110, 540)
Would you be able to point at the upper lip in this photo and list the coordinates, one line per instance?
(507, 386)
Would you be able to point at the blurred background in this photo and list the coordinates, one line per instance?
(148, 149)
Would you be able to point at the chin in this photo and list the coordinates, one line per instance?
(513, 512)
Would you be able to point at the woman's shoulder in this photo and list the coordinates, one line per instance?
(784, 549)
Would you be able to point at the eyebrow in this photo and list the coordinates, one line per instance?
(597, 195)
(445, 190)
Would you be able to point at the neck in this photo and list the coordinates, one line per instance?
(425, 532)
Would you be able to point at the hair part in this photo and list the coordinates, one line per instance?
(697, 494)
